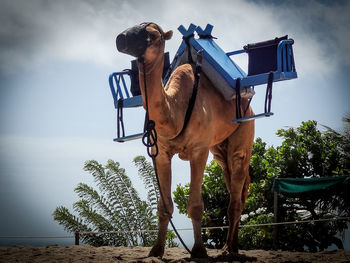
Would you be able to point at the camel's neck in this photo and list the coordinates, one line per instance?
(151, 73)
(158, 107)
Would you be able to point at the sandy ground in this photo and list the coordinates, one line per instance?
(139, 254)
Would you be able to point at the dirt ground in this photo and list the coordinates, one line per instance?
(87, 253)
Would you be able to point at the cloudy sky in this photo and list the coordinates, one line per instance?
(56, 110)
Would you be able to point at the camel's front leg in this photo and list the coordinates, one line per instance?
(164, 212)
(195, 207)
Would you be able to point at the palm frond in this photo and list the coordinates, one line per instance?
(116, 207)
(131, 200)
(107, 181)
(99, 224)
(74, 224)
(147, 174)
(100, 203)
(70, 222)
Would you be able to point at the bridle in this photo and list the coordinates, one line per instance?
(149, 42)
(141, 59)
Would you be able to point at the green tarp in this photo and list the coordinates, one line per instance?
(297, 185)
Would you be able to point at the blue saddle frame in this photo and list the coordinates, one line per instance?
(214, 57)
(120, 92)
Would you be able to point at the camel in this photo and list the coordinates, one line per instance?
(210, 129)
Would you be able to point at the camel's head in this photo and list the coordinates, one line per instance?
(137, 40)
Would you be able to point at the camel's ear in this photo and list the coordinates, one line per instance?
(153, 32)
(168, 35)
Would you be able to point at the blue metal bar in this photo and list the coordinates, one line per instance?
(125, 88)
(290, 59)
(279, 64)
(236, 52)
(111, 86)
(118, 87)
(131, 102)
(284, 60)
(117, 83)
(129, 138)
(254, 117)
(124, 72)
(280, 52)
(205, 32)
(260, 79)
(187, 32)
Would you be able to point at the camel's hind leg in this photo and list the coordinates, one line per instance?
(233, 155)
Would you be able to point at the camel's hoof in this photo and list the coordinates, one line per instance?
(156, 251)
(229, 250)
(199, 252)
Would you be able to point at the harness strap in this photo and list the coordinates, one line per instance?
(238, 99)
(249, 101)
(120, 120)
(268, 96)
(192, 100)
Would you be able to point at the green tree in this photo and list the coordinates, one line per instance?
(343, 139)
(259, 204)
(305, 152)
(115, 207)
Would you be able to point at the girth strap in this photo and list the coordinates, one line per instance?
(268, 96)
(120, 120)
(192, 100)
(238, 99)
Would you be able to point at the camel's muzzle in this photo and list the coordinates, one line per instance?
(134, 40)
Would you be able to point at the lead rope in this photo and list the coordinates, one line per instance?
(149, 139)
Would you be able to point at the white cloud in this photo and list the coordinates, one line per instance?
(40, 31)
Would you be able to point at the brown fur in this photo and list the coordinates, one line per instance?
(210, 128)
